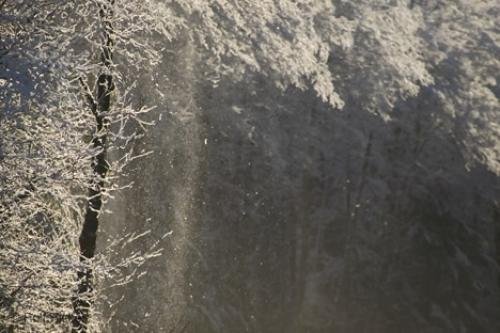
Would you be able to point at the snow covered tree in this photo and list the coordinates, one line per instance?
(71, 75)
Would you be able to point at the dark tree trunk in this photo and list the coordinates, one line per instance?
(100, 107)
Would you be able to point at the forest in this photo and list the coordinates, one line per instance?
(261, 166)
